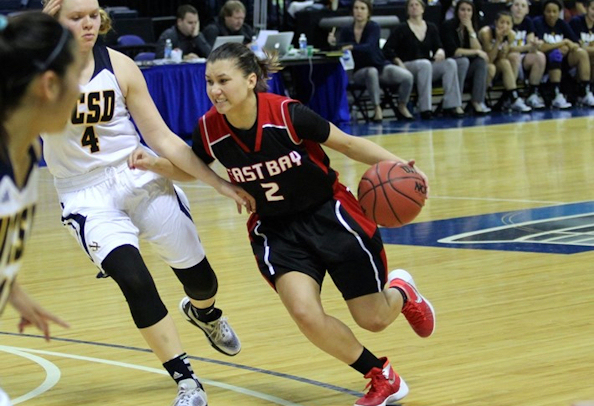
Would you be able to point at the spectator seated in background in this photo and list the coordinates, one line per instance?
(560, 45)
(231, 21)
(185, 35)
(460, 41)
(415, 45)
(371, 67)
(583, 27)
(531, 60)
(496, 41)
(574, 8)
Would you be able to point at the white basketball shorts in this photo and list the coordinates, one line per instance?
(118, 206)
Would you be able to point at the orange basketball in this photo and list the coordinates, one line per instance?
(392, 193)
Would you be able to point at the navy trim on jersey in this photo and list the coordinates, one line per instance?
(102, 60)
(6, 168)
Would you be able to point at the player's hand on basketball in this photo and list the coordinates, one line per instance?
(52, 7)
(241, 197)
(420, 172)
(141, 159)
(32, 314)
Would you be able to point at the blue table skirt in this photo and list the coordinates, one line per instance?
(179, 92)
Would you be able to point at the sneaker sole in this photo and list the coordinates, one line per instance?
(407, 277)
(402, 392)
(212, 344)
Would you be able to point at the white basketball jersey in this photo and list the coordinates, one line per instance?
(16, 220)
(100, 132)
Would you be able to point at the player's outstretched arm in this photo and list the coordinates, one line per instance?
(143, 159)
(32, 314)
(363, 150)
(162, 140)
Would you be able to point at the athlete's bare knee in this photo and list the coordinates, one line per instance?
(372, 323)
(307, 319)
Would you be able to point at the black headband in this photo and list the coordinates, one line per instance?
(42, 66)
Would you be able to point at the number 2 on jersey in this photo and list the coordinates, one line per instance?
(89, 139)
(271, 189)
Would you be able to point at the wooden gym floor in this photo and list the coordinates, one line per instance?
(513, 301)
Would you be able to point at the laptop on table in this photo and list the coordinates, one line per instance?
(226, 38)
(279, 43)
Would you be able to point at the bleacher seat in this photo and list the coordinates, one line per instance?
(142, 27)
(130, 39)
(145, 56)
(121, 12)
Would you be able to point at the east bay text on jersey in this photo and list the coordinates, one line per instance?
(265, 170)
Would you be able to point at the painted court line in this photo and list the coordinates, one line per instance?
(53, 374)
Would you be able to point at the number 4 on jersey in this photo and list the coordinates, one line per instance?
(89, 139)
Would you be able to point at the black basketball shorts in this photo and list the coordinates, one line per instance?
(335, 237)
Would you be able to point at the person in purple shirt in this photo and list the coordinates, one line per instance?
(371, 67)
(583, 26)
(561, 46)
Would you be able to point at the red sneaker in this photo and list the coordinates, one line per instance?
(417, 310)
(385, 387)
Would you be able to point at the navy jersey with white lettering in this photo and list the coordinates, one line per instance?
(522, 30)
(16, 219)
(556, 34)
(581, 29)
(280, 164)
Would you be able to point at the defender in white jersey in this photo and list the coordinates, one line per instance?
(108, 206)
(38, 84)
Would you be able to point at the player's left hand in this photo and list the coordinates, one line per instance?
(52, 7)
(411, 163)
(241, 197)
(32, 314)
(141, 159)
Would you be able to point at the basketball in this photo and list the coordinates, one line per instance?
(392, 193)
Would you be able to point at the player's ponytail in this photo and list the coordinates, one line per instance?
(248, 62)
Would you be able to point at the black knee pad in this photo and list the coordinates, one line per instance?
(200, 281)
(126, 266)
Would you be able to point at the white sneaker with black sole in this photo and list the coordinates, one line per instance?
(219, 332)
(587, 100)
(519, 106)
(190, 393)
(559, 102)
(535, 101)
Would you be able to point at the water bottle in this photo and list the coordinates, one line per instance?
(254, 45)
(168, 48)
(303, 45)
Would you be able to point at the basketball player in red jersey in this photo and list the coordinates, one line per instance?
(305, 222)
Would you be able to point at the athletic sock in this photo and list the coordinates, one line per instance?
(403, 293)
(179, 368)
(366, 362)
(211, 313)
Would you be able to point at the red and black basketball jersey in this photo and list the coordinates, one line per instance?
(284, 171)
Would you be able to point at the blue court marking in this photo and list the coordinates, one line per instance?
(563, 229)
(201, 359)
